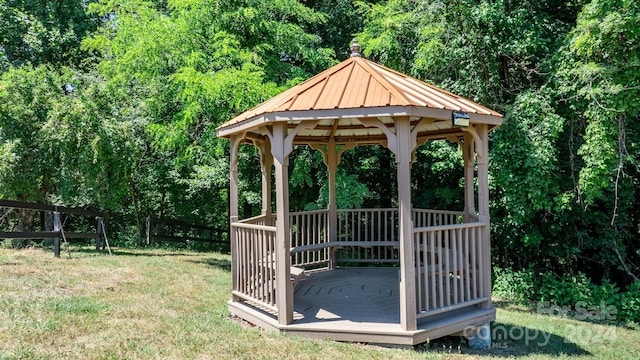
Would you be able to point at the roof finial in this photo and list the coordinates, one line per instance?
(355, 48)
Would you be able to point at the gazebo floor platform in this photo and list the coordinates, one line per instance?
(359, 305)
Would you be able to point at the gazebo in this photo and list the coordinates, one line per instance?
(427, 271)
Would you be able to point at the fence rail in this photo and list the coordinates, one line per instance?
(172, 230)
(55, 231)
(46, 207)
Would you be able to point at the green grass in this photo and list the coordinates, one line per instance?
(154, 304)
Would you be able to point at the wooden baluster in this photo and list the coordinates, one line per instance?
(456, 269)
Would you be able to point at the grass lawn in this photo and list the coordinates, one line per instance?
(158, 304)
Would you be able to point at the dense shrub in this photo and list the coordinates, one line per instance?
(513, 285)
(630, 303)
(574, 294)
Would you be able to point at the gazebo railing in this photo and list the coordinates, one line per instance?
(425, 217)
(449, 267)
(255, 264)
(448, 264)
(363, 235)
(260, 220)
(310, 246)
(371, 235)
(368, 235)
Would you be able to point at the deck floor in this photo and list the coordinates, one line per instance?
(353, 297)
(358, 304)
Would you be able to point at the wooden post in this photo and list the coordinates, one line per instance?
(233, 209)
(105, 229)
(332, 168)
(284, 289)
(402, 144)
(482, 154)
(99, 231)
(469, 187)
(148, 230)
(48, 223)
(266, 165)
(407, 252)
(56, 227)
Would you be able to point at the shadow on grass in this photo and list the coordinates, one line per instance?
(509, 340)
(221, 264)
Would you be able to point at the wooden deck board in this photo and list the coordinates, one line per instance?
(359, 305)
(355, 295)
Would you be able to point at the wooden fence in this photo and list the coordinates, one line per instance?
(171, 230)
(56, 230)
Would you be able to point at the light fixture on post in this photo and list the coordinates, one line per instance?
(459, 119)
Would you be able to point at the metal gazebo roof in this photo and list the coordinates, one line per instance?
(354, 89)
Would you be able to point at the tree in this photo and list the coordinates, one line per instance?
(36, 32)
(58, 143)
(189, 66)
(598, 79)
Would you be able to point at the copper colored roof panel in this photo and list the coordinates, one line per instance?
(357, 83)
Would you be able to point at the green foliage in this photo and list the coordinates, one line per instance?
(630, 303)
(437, 176)
(60, 147)
(310, 188)
(153, 80)
(185, 68)
(350, 193)
(37, 32)
(576, 293)
(567, 290)
(513, 285)
(527, 187)
(602, 69)
(486, 50)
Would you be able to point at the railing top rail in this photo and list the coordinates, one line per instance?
(253, 226)
(449, 227)
(258, 217)
(311, 212)
(436, 211)
(373, 209)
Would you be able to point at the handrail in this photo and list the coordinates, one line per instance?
(446, 212)
(449, 227)
(372, 209)
(253, 226)
(320, 246)
(309, 212)
(244, 221)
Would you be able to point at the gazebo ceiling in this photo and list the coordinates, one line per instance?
(356, 89)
